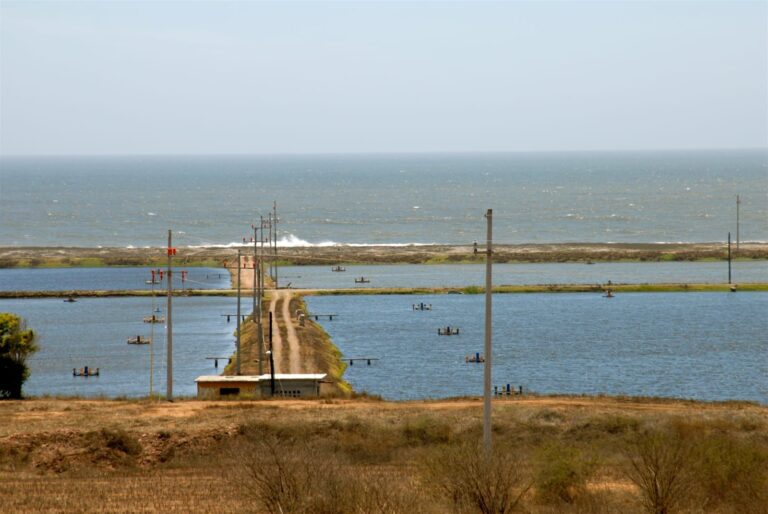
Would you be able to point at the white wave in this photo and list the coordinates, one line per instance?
(292, 241)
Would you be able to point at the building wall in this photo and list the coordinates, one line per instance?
(213, 390)
(291, 388)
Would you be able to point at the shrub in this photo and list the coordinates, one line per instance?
(659, 464)
(561, 474)
(284, 476)
(469, 478)
(120, 440)
(17, 343)
(732, 472)
(427, 430)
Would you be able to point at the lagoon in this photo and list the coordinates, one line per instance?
(705, 346)
(105, 279)
(93, 331)
(462, 275)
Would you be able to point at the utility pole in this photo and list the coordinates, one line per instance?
(152, 341)
(274, 210)
(269, 245)
(237, 352)
(488, 329)
(169, 322)
(738, 204)
(261, 294)
(257, 298)
(271, 358)
(729, 257)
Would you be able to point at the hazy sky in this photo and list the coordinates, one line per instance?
(182, 77)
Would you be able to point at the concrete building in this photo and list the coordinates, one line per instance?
(300, 385)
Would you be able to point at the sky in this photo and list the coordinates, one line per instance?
(217, 77)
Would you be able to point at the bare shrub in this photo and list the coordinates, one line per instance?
(470, 478)
(285, 476)
(659, 464)
(562, 473)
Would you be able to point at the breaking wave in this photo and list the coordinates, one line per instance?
(292, 241)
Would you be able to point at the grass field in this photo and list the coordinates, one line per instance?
(552, 454)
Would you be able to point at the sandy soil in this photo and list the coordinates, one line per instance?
(74, 455)
(285, 319)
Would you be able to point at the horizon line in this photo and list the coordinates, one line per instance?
(385, 153)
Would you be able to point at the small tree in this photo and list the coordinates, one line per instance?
(473, 480)
(659, 464)
(17, 342)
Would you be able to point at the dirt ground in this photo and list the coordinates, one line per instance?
(76, 455)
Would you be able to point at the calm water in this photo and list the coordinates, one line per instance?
(450, 275)
(707, 346)
(105, 279)
(93, 331)
(394, 199)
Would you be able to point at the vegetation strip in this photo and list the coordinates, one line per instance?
(503, 289)
(33, 257)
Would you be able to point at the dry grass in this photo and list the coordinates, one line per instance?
(339, 455)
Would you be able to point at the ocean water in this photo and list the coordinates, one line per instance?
(93, 332)
(705, 346)
(385, 199)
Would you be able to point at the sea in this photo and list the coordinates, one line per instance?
(634, 197)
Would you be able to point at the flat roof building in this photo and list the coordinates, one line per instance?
(291, 385)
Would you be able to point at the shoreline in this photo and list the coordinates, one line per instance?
(41, 257)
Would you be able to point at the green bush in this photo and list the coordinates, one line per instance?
(562, 473)
(426, 430)
(732, 472)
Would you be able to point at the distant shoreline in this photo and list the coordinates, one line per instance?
(33, 257)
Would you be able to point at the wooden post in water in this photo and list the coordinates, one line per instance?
(237, 350)
(169, 325)
(488, 329)
(729, 257)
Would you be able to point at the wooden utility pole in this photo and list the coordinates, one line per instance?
(738, 204)
(237, 351)
(269, 246)
(257, 296)
(261, 296)
(488, 329)
(729, 257)
(274, 210)
(152, 342)
(169, 323)
(271, 358)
